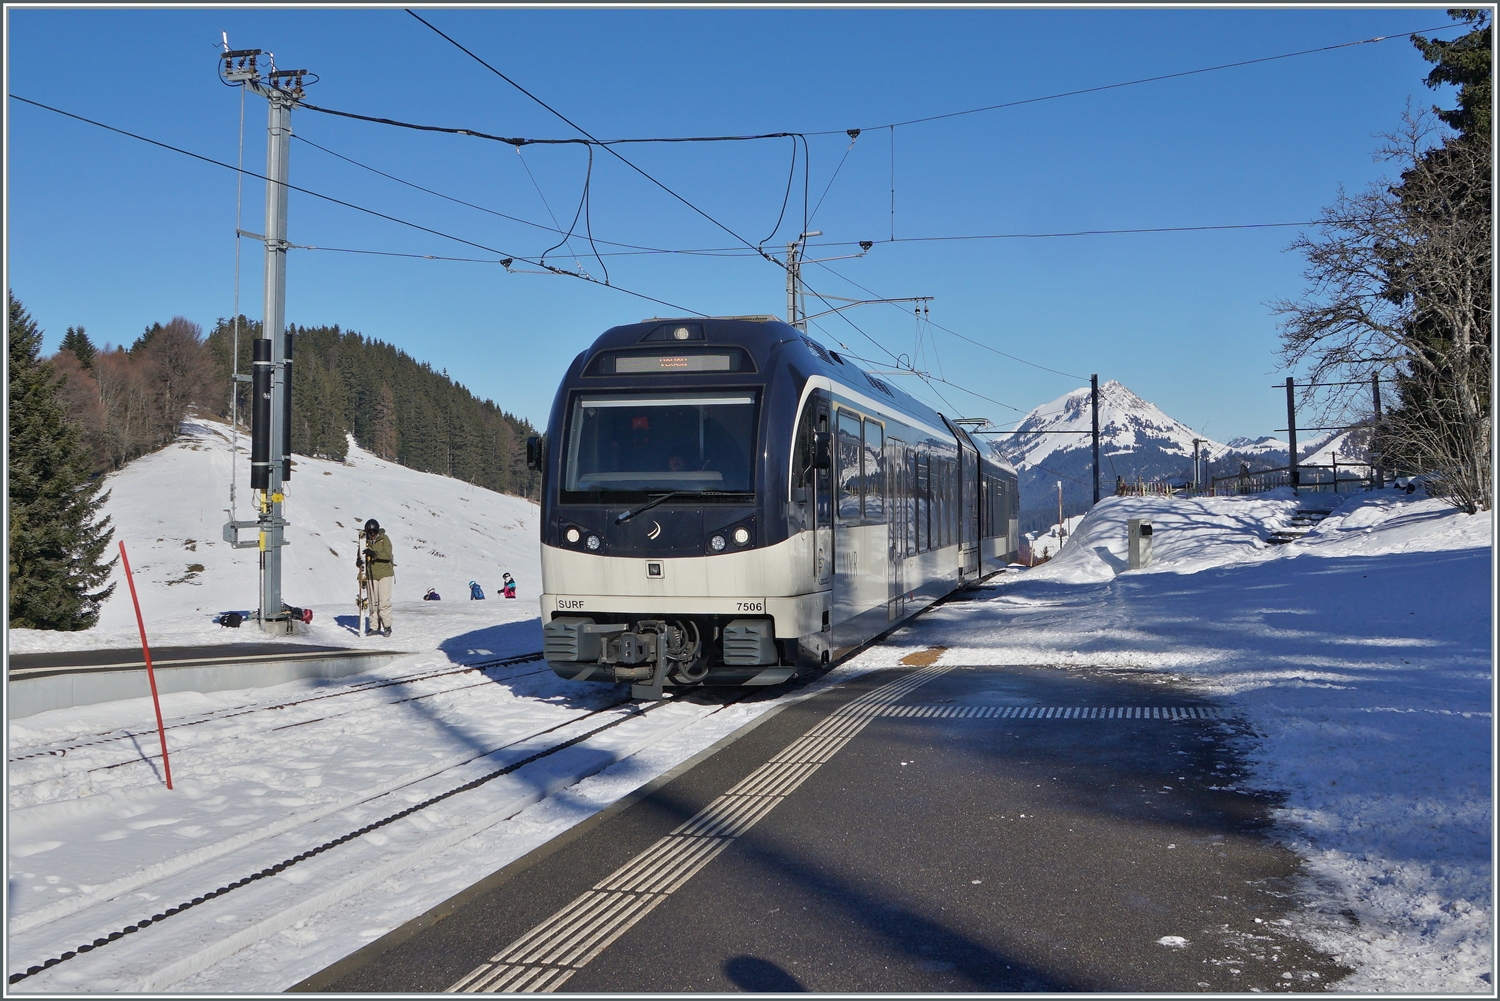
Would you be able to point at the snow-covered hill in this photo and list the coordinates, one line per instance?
(169, 509)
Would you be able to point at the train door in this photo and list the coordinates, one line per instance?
(968, 504)
(895, 506)
(848, 520)
(822, 506)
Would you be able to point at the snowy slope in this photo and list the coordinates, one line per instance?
(168, 508)
(1360, 657)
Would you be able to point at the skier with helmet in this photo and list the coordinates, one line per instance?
(381, 569)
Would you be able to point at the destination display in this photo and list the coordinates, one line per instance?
(665, 363)
(644, 364)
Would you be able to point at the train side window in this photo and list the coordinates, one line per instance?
(953, 507)
(947, 502)
(874, 477)
(924, 528)
(849, 447)
(944, 534)
(935, 503)
(802, 457)
(909, 502)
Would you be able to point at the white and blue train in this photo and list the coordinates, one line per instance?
(725, 502)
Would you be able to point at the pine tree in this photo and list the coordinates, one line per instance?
(56, 536)
(76, 341)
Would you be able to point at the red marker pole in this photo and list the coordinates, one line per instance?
(161, 731)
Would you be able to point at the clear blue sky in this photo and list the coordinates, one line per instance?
(113, 234)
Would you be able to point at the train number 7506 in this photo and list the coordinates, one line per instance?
(750, 606)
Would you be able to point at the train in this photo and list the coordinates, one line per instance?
(725, 501)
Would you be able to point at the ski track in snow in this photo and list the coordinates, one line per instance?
(1360, 656)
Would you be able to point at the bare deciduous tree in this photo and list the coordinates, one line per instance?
(1399, 283)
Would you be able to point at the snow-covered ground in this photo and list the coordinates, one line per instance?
(168, 509)
(1361, 656)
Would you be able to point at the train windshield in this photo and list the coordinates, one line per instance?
(654, 442)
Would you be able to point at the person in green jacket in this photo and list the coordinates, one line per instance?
(381, 570)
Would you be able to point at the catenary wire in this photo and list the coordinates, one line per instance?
(519, 141)
(632, 249)
(854, 138)
(955, 333)
(612, 151)
(351, 205)
(522, 141)
(1143, 80)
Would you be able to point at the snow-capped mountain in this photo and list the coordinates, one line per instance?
(1127, 424)
(1137, 441)
(1256, 446)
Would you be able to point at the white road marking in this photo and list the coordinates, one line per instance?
(1055, 712)
(541, 960)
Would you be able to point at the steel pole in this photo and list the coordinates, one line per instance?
(278, 153)
(1377, 471)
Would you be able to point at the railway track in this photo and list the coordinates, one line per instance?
(250, 708)
(161, 881)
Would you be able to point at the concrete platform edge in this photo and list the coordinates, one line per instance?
(27, 696)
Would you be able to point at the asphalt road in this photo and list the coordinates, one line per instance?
(963, 850)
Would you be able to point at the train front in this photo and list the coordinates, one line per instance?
(668, 557)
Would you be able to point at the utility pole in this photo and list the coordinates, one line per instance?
(1197, 465)
(1094, 396)
(1062, 529)
(1291, 430)
(1377, 470)
(271, 378)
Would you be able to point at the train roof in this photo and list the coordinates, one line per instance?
(759, 335)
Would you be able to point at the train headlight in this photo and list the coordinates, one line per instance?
(681, 334)
(593, 543)
(741, 536)
(572, 535)
(717, 543)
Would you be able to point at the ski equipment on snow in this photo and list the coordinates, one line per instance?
(362, 600)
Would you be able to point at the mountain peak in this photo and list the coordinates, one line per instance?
(1127, 423)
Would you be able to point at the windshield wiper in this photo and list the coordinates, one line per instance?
(668, 496)
(622, 519)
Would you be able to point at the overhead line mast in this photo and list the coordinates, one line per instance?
(271, 368)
